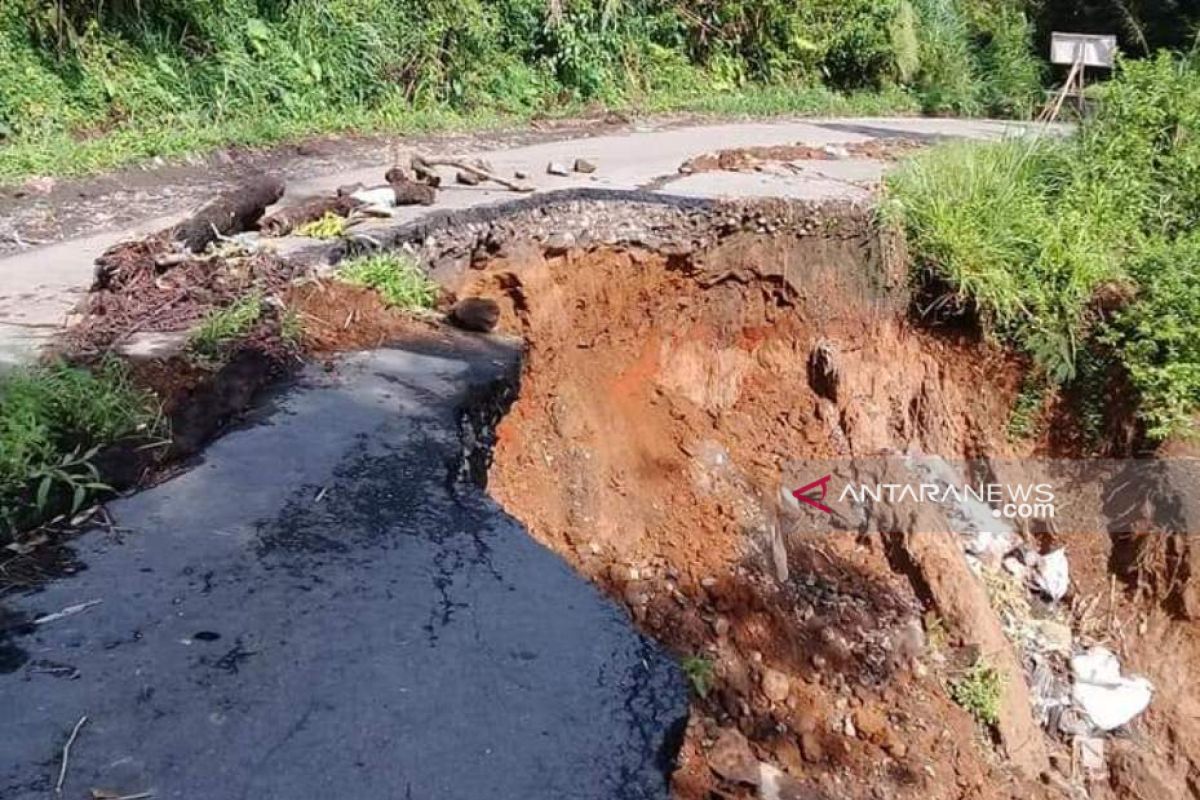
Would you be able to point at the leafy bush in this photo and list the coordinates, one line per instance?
(1044, 239)
(1157, 337)
(398, 279)
(52, 421)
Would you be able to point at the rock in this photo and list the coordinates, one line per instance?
(1091, 752)
(788, 753)
(810, 747)
(848, 728)
(40, 185)
(1054, 636)
(467, 178)
(584, 166)
(520, 174)
(559, 242)
(557, 168)
(775, 685)
(347, 189)
(475, 314)
(835, 151)
(732, 759)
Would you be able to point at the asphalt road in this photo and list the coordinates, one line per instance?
(40, 285)
(325, 606)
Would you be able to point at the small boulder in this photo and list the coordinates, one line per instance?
(584, 166)
(557, 168)
(475, 314)
(732, 759)
(775, 685)
(467, 178)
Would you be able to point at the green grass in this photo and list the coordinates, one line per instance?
(210, 340)
(397, 278)
(699, 672)
(1080, 248)
(61, 153)
(53, 419)
(87, 87)
(979, 691)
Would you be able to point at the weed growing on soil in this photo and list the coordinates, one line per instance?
(1058, 245)
(699, 672)
(53, 420)
(1026, 414)
(398, 279)
(979, 691)
(211, 338)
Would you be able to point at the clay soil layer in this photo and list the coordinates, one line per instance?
(661, 400)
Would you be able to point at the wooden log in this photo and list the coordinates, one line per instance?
(232, 212)
(288, 219)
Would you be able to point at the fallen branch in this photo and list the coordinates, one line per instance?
(420, 164)
(69, 611)
(66, 755)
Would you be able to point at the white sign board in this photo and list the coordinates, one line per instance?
(1082, 48)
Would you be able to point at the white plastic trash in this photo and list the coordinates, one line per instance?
(1108, 699)
(380, 196)
(1052, 576)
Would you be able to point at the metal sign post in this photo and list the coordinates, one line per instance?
(1080, 51)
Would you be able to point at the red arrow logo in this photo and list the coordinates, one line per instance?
(801, 494)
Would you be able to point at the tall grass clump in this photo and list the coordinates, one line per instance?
(1062, 245)
(397, 278)
(53, 420)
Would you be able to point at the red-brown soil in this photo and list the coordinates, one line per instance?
(658, 410)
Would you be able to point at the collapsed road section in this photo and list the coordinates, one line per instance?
(363, 619)
(320, 608)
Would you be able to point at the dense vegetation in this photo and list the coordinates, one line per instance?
(86, 84)
(1080, 249)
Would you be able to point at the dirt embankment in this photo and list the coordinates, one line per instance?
(663, 398)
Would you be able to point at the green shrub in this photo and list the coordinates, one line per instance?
(52, 421)
(1157, 337)
(979, 691)
(398, 279)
